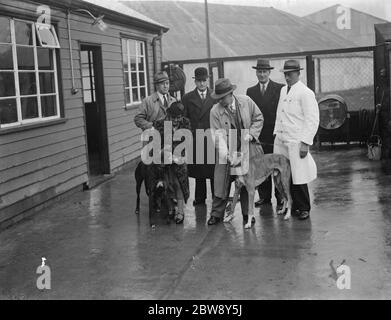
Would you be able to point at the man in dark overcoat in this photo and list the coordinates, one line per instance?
(266, 94)
(197, 109)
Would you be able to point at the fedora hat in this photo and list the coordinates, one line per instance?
(201, 74)
(223, 87)
(291, 65)
(263, 64)
(160, 76)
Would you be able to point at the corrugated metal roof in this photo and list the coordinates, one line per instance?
(234, 30)
(118, 7)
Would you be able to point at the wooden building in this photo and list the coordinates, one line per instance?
(70, 84)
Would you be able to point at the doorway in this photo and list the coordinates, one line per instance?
(94, 110)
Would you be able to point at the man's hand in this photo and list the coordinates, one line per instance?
(303, 149)
(248, 137)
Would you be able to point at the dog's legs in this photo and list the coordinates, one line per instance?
(251, 195)
(152, 212)
(286, 182)
(230, 214)
(282, 183)
(280, 187)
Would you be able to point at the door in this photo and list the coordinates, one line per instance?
(94, 110)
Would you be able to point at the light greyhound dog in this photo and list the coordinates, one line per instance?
(260, 167)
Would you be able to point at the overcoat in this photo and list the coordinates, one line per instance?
(267, 103)
(252, 119)
(151, 109)
(198, 112)
(297, 121)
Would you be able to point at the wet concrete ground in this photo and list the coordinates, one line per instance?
(97, 248)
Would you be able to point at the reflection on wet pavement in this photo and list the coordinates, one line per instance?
(97, 248)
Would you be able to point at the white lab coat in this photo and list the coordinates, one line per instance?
(297, 121)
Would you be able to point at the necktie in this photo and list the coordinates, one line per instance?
(263, 89)
(165, 102)
(202, 96)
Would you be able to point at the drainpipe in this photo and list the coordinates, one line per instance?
(155, 63)
(73, 90)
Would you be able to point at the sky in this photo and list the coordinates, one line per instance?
(378, 8)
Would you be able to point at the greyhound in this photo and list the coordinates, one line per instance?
(260, 167)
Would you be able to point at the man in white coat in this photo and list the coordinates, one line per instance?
(297, 122)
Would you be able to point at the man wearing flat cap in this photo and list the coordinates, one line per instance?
(197, 109)
(231, 112)
(154, 106)
(296, 126)
(266, 94)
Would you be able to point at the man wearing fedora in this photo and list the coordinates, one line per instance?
(197, 109)
(231, 112)
(154, 106)
(296, 126)
(266, 94)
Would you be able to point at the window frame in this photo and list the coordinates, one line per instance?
(128, 40)
(53, 52)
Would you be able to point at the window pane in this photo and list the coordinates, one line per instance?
(48, 105)
(140, 64)
(8, 113)
(29, 108)
(134, 79)
(85, 71)
(87, 96)
(132, 47)
(135, 95)
(5, 33)
(127, 95)
(84, 56)
(86, 83)
(142, 78)
(45, 59)
(46, 82)
(141, 49)
(126, 77)
(133, 64)
(7, 84)
(27, 83)
(6, 57)
(23, 33)
(143, 93)
(124, 54)
(25, 58)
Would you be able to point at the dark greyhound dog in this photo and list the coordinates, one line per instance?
(155, 188)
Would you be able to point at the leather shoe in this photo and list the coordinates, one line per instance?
(213, 220)
(261, 202)
(303, 215)
(198, 202)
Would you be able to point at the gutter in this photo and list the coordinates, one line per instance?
(154, 49)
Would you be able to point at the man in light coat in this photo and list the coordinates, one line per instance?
(295, 128)
(231, 112)
(154, 106)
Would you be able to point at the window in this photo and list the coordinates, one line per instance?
(87, 73)
(135, 72)
(28, 74)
